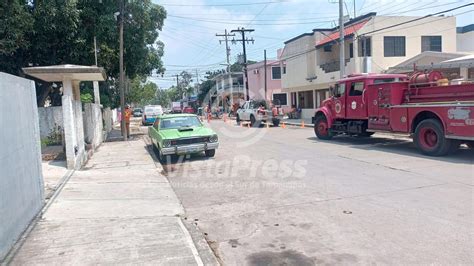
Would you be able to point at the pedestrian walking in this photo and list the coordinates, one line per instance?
(127, 115)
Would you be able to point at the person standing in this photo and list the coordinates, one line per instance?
(127, 115)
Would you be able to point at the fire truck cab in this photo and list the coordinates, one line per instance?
(440, 116)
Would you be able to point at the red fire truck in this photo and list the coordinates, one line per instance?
(438, 114)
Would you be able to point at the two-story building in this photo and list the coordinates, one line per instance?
(465, 38)
(371, 43)
(256, 78)
(230, 88)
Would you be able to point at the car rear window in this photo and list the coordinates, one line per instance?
(179, 122)
(153, 109)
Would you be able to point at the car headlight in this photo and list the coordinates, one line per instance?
(166, 143)
(213, 138)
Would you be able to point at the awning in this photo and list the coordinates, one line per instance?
(348, 30)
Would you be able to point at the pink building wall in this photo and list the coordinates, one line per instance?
(256, 80)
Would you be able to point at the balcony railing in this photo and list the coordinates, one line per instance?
(332, 66)
(233, 88)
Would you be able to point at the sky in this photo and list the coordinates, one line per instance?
(190, 28)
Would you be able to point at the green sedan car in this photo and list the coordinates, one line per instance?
(179, 134)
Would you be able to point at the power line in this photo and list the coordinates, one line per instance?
(416, 19)
(227, 4)
(314, 49)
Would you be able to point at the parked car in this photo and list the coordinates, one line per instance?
(188, 110)
(150, 113)
(180, 134)
(137, 112)
(257, 111)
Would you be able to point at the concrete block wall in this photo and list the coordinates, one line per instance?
(81, 154)
(93, 124)
(108, 118)
(51, 122)
(21, 178)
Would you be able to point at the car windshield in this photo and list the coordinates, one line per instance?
(179, 122)
(137, 110)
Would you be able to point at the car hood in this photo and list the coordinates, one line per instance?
(196, 132)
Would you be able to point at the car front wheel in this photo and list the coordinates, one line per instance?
(210, 153)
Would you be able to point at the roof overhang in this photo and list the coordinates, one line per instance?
(349, 30)
(58, 73)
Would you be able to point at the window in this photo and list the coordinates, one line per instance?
(280, 99)
(386, 80)
(356, 89)
(365, 47)
(284, 70)
(394, 46)
(327, 48)
(351, 50)
(276, 72)
(431, 43)
(339, 89)
(179, 122)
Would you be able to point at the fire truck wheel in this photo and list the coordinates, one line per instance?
(321, 128)
(429, 138)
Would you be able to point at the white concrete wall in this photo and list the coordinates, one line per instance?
(107, 115)
(50, 121)
(442, 26)
(298, 67)
(93, 124)
(21, 178)
(465, 42)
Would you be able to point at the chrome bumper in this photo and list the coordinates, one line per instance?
(192, 148)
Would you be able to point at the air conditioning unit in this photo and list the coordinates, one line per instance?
(255, 71)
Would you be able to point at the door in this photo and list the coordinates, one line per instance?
(244, 115)
(339, 106)
(356, 107)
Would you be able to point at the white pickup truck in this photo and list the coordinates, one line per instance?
(250, 112)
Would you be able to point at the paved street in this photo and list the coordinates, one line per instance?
(280, 195)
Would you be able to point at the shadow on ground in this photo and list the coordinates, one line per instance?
(397, 146)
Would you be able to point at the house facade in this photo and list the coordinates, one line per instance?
(229, 88)
(372, 44)
(465, 38)
(256, 80)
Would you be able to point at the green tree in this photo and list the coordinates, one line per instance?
(142, 92)
(162, 98)
(49, 32)
(16, 23)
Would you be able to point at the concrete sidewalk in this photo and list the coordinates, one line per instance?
(117, 210)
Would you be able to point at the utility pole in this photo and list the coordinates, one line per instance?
(227, 48)
(265, 71)
(197, 84)
(341, 39)
(244, 40)
(122, 78)
(95, 50)
(354, 1)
